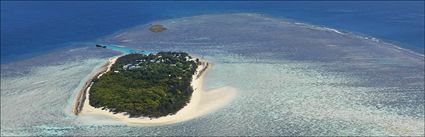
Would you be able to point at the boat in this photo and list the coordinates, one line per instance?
(100, 46)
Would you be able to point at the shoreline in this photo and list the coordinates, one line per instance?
(191, 110)
(81, 97)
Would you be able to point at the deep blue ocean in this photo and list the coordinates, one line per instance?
(32, 28)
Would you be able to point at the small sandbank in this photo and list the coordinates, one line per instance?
(202, 102)
(157, 28)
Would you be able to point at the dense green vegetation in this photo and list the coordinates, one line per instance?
(151, 85)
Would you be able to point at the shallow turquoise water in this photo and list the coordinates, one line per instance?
(127, 50)
(291, 79)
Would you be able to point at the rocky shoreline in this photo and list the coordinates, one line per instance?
(81, 97)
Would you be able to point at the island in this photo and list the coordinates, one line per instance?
(157, 28)
(140, 85)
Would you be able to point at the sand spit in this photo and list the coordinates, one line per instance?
(201, 102)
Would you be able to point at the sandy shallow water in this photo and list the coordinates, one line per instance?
(291, 78)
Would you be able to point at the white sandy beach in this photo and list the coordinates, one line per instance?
(97, 73)
(201, 103)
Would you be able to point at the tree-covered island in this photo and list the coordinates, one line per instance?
(151, 85)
